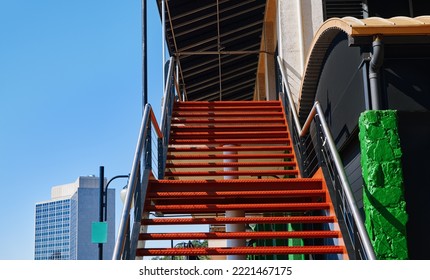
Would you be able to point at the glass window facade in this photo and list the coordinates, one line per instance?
(52, 234)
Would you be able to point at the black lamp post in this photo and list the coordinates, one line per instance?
(103, 202)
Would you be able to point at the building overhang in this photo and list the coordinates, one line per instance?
(397, 30)
(217, 44)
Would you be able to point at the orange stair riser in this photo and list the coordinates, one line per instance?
(243, 109)
(228, 141)
(234, 185)
(233, 128)
(229, 148)
(239, 235)
(227, 156)
(224, 114)
(232, 173)
(240, 220)
(227, 103)
(229, 135)
(227, 188)
(236, 200)
(232, 134)
(229, 120)
(231, 164)
(280, 250)
(261, 193)
(209, 208)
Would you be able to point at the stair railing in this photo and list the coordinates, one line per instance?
(169, 98)
(142, 170)
(347, 209)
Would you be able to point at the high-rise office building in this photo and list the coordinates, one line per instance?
(63, 224)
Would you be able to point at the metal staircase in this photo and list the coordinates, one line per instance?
(237, 166)
(238, 156)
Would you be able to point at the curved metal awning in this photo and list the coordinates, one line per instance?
(398, 30)
(217, 44)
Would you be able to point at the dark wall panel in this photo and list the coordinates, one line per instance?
(414, 131)
(341, 93)
(406, 83)
(340, 89)
(390, 8)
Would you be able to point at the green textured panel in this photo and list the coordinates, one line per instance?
(295, 242)
(99, 232)
(383, 193)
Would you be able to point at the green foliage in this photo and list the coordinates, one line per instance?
(191, 243)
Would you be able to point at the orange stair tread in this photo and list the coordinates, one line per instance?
(209, 208)
(229, 156)
(240, 220)
(229, 148)
(249, 184)
(237, 182)
(240, 235)
(228, 120)
(231, 108)
(230, 164)
(227, 141)
(279, 250)
(232, 134)
(232, 128)
(182, 114)
(258, 193)
(215, 103)
(226, 173)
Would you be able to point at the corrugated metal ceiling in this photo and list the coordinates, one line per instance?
(217, 43)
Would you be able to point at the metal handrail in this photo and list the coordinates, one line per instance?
(166, 94)
(166, 116)
(137, 185)
(132, 187)
(317, 111)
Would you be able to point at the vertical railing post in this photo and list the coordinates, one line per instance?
(320, 142)
(148, 148)
(357, 246)
(126, 254)
(138, 196)
(160, 158)
(301, 146)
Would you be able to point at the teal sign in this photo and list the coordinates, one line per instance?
(99, 232)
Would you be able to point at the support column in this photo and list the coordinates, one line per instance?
(234, 213)
(383, 192)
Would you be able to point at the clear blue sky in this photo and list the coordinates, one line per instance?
(70, 89)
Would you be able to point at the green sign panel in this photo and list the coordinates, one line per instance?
(99, 232)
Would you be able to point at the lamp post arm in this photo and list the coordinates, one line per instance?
(116, 177)
(105, 193)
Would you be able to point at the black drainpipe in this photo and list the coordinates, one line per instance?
(374, 77)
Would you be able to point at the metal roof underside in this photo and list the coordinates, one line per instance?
(217, 44)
